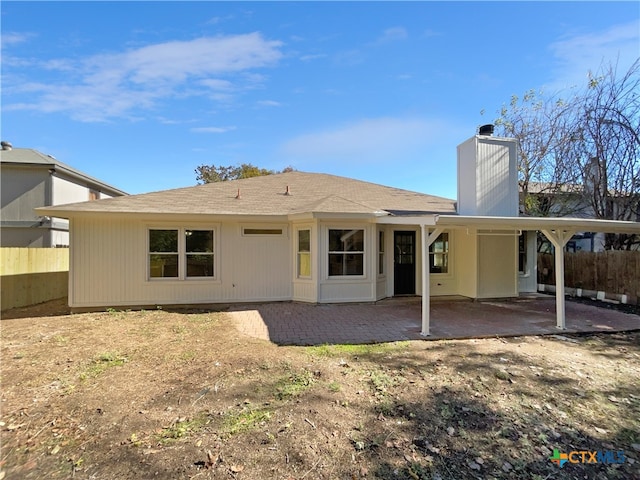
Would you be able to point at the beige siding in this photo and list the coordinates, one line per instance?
(305, 291)
(466, 267)
(259, 267)
(441, 283)
(348, 289)
(497, 266)
(102, 261)
(249, 269)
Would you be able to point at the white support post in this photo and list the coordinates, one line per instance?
(426, 241)
(559, 239)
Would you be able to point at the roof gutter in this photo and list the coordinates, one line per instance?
(103, 187)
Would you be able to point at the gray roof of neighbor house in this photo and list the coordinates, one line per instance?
(315, 193)
(29, 157)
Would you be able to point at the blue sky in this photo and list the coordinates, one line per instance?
(138, 94)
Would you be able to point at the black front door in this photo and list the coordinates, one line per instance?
(404, 271)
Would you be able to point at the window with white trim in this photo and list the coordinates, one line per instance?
(346, 252)
(439, 254)
(522, 253)
(199, 253)
(181, 253)
(163, 253)
(304, 253)
(380, 252)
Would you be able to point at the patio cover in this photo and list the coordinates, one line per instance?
(558, 230)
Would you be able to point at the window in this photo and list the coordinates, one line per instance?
(346, 252)
(304, 253)
(181, 253)
(262, 231)
(199, 253)
(380, 253)
(163, 253)
(439, 254)
(522, 253)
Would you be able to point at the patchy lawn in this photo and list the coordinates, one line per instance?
(181, 394)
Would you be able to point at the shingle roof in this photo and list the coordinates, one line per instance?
(28, 156)
(266, 195)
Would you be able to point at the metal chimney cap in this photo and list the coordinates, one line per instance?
(6, 145)
(486, 130)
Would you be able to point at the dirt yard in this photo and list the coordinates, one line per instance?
(181, 394)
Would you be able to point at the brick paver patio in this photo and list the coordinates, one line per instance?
(290, 323)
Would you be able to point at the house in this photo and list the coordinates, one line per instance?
(312, 237)
(31, 179)
(572, 200)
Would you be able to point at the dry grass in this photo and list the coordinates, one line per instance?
(159, 394)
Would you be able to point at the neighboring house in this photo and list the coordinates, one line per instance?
(569, 200)
(312, 237)
(31, 179)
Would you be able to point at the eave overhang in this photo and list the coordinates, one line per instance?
(537, 223)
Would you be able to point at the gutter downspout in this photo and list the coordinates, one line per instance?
(49, 234)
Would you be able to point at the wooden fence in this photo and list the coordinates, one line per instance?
(616, 272)
(32, 275)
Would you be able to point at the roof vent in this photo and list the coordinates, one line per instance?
(238, 195)
(6, 145)
(486, 130)
(287, 192)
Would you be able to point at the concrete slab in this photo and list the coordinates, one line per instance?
(289, 323)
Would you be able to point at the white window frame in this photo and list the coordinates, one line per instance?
(382, 254)
(332, 252)
(298, 252)
(446, 253)
(175, 253)
(182, 253)
(522, 239)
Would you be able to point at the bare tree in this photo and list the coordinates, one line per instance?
(580, 155)
(542, 126)
(609, 129)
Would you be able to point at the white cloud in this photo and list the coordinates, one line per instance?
(107, 86)
(12, 38)
(393, 34)
(366, 140)
(217, 84)
(309, 57)
(269, 103)
(212, 129)
(578, 54)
